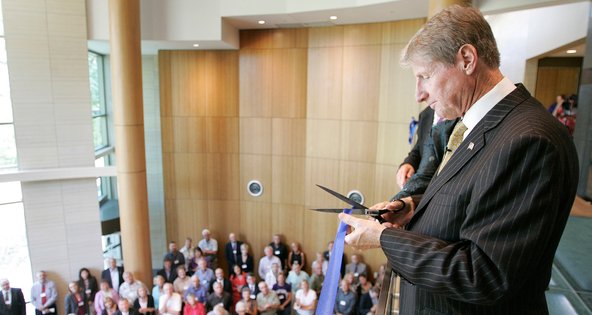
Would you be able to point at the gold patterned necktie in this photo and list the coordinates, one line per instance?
(453, 143)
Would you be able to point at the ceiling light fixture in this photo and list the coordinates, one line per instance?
(195, 45)
(261, 22)
(571, 51)
(333, 17)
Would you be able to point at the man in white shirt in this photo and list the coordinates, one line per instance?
(187, 251)
(266, 261)
(209, 247)
(129, 288)
(170, 302)
(44, 295)
(113, 274)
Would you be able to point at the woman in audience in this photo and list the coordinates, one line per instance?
(246, 260)
(75, 301)
(197, 255)
(102, 295)
(157, 289)
(363, 285)
(283, 291)
(368, 302)
(238, 279)
(193, 307)
(296, 255)
(251, 304)
(306, 300)
(88, 284)
(144, 304)
(110, 307)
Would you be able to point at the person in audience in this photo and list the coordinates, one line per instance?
(267, 300)
(144, 304)
(296, 255)
(246, 260)
(379, 276)
(306, 300)
(193, 306)
(113, 274)
(321, 262)
(175, 256)
(219, 296)
(226, 285)
(327, 256)
(205, 274)
(252, 285)
(187, 251)
(316, 280)
(284, 294)
(44, 295)
(266, 261)
(75, 301)
(296, 276)
(124, 308)
(555, 107)
(218, 310)
(232, 251)
(110, 307)
(170, 302)
(183, 282)
(240, 308)
(157, 290)
(280, 250)
(271, 276)
(193, 262)
(12, 300)
(368, 302)
(345, 301)
(250, 303)
(209, 247)
(196, 289)
(356, 267)
(363, 285)
(168, 272)
(88, 284)
(238, 279)
(105, 292)
(129, 288)
(349, 277)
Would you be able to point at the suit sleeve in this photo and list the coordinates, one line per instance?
(425, 123)
(516, 211)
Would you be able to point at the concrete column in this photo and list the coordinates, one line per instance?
(436, 6)
(126, 85)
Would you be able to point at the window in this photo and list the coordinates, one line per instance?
(97, 96)
(7, 137)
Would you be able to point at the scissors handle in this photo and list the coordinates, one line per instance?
(377, 214)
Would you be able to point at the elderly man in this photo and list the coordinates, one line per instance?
(129, 288)
(357, 267)
(267, 300)
(170, 302)
(12, 301)
(218, 297)
(232, 251)
(205, 274)
(199, 291)
(481, 239)
(113, 274)
(267, 261)
(209, 247)
(124, 308)
(280, 250)
(346, 299)
(175, 255)
(44, 295)
(226, 285)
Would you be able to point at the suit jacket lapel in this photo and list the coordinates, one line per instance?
(471, 145)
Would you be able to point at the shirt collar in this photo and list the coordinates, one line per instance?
(474, 115)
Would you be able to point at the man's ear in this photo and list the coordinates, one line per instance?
(466, 58)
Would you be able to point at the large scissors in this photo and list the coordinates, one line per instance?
(358, 208)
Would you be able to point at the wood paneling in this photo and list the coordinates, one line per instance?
(400, 32)
(361, 82)
(288, 86)
(362, 34)
(255, 135)
(552, 81)
(288, 174)
(222, 84)
(288, 137)
(255, 83)
(325, 81)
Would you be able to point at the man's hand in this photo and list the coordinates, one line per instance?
(366, 233)
(404, 173)
(396, 219)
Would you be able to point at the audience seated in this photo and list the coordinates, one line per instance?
(157, 290)
(317, 279)
(144, 304)
(192, 265)
(252, 285)
(248, 300)
(306, 300)
(296, 255)
(75, 301)
(110, 307)
(356, 267)
(284, 294)
(113, 274)
(175, 255)
(205, 274)
(267, 300)
(193, 306)
(240, 308)
(246, 260)
(266, 261)
(238, 279)
(296, 276)
(363, 285)
(170, 302)
(322, 262)
(124, 308)
(183, 282)
(199, 291)
(345, 301)
(209, 247)
(232, 251)
(368, 302)
(105, 292)
(219, 278)
(280, 250)
(219, 296)
(168, 272)
(271, 276)
(187, 251)
(88, 284)
(129, 288)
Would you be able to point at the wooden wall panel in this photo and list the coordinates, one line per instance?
(323, 138)
(325, 81)
(223, 176)
(256, 226)
(361, 82)
(392, 143)
(288, 174)
(255, 135)
(323, 172)
(222, 134)
(397, 91)
(362, 34)
(552, 81)
(400, 32)
(288, 137)
(325, 37)
(189, 134)
(255, 83)
(289, 38)
(288, 86)
(222, 83)
(256, 39)
(358, 141)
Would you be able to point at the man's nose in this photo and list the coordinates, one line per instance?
(420, 93)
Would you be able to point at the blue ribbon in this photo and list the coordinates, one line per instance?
(331, 283)
(412, 129)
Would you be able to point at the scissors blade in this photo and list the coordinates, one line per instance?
(354, 211)
(343, 198)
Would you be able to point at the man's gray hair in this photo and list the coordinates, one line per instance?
(444, 34)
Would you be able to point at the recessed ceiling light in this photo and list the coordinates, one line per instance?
(333, 17)
(261, 22)
(571, 51)
(195, 45)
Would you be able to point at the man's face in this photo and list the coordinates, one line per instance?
(268, 252)
(276, 239)
(188, 243)
(219, 274)
(173, 247)
(218, 288)
(344, 285)
(41, 276)
(123, 305)
(203, 264)
(5, 285)
(251, 279)
(167, 264)
(354, 259)
(206, 235)
(446, 89)
(195, 281)
(128, 278)
(112, 263)
(232, 237)
(181, 272)
(263, 288)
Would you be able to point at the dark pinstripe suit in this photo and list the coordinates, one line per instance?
(483, 237)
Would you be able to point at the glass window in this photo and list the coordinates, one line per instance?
(7, 138)
(98, 104)
(101, 139)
